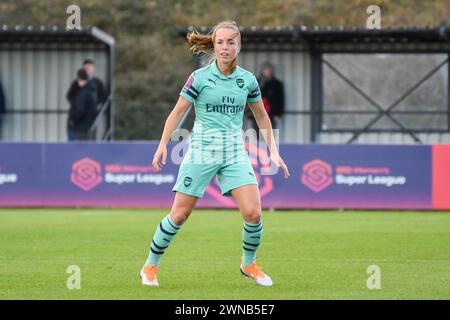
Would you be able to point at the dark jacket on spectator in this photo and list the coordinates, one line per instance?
(2, 101)
(83, 109)
(272, 90)
(95, 82)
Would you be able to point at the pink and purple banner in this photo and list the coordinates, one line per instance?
(322, 177)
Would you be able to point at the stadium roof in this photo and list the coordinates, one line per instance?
(53, 35)
(427, 38)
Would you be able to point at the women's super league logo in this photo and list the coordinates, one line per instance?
(317, 175)
(188, 83)
(86, 174)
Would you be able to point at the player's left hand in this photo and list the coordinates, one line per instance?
(280, 163)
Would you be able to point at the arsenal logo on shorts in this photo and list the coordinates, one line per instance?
(187, 181)
(240, 82)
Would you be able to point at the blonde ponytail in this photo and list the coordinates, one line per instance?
(200, 43)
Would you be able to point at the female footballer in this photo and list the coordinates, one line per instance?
(219, 91)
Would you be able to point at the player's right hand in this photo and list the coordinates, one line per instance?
(159, 159)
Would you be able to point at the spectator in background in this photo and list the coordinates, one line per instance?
(2, 108)
(272, 92)
(83, 108)
(88, 66)
(96, 83)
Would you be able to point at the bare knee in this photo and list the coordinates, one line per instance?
(179, 215)
(252, 214)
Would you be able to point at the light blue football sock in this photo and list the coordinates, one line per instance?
(165, 231)
(251, 238)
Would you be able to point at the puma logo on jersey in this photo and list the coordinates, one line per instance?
(213, 81)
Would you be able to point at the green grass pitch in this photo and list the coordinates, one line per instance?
(308, 254)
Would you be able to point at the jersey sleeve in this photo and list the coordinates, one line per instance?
(254, 93)
(191, 88)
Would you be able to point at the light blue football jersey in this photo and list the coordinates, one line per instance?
(219, 103)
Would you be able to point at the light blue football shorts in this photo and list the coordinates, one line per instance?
(193, 178)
